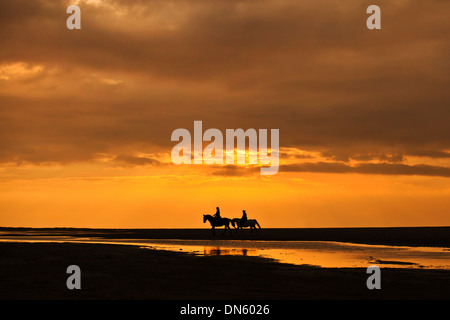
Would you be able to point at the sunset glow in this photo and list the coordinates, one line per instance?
(86, 115)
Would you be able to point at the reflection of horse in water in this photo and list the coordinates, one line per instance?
(217, 222)
(252, 223)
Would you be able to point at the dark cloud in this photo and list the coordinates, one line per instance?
(339, 168)
(380, 157)
(430, 153)
(363, 157)
(137, 70)
(234, 171)
(128, 160)
(368, 168)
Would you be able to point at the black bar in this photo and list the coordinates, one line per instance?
(154, 309)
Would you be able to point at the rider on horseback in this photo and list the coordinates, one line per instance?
(217, 214)
(244, 218)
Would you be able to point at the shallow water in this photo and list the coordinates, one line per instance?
(326, 254)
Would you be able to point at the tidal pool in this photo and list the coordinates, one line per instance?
(327, 254)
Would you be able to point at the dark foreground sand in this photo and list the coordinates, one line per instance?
(38, 271)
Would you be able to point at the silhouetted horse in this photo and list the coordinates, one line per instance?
(252, 223)
(217, 222)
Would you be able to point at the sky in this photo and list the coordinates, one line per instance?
(86, 116)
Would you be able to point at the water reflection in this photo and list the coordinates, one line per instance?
(316, 253)
(217, 251)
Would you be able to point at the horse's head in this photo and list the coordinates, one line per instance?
(232, 223)
(205, 217)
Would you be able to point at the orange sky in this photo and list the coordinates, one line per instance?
(86, 115)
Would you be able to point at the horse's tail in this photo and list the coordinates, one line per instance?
(232, 223)
(256, 221)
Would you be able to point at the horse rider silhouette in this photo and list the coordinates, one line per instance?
(244, 218)
(217, 214)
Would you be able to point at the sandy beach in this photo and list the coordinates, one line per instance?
(38, 271)
(402, 236)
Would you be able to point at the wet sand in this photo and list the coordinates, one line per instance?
(38, 271)
(404, 236)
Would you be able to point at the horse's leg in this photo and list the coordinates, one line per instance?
(213, 230)
(227, 226)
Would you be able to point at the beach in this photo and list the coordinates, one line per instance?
(402, 236)
(38, 271)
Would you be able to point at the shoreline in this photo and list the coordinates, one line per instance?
(395, 236)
